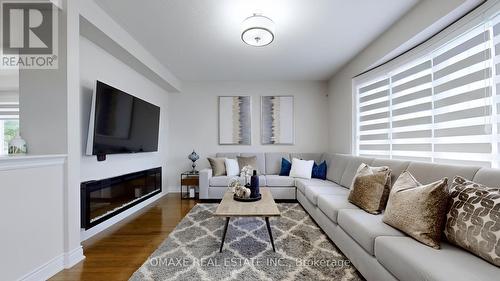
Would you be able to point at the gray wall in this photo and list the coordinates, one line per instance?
(193, 120)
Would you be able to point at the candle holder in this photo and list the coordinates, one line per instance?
(193, 157)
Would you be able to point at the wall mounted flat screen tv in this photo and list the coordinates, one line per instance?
(121, 123)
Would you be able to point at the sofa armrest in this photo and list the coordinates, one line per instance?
(205, 176)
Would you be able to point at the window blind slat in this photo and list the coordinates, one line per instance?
(476, 40)
(413, 96)
(412, 109)
(412, 71)
(412, 122)
(374, 126)
(464, 80)
(375, 85)
(413, 83)
(469, 61)
(438, 108)
(460, 147)
(464, 97)
(376, 95)
(9, 111)
(383, 104)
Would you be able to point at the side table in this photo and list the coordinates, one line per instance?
(189, 180)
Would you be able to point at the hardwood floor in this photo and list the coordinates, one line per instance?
(119, 251)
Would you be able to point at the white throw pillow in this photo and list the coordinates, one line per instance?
(232, 167)
(301, 168)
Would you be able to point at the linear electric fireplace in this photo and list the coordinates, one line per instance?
(103, 199)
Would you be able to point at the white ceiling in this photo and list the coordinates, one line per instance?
(200, 39)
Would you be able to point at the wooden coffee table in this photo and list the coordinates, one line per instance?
(265, 207)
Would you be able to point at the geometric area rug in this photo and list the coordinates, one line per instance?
(191, 252)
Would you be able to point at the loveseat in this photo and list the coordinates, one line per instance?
(377, 250)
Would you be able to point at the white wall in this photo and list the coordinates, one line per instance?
(97, 64)
(193, 120)
(32, 219)
(412, 25)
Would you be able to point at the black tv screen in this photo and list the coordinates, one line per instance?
(121, 123)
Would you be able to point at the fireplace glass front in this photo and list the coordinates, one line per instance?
(105, 198)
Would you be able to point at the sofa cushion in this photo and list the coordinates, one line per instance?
(487, 176)
(326, 157)
(331, 204)
(223, 180)
(275, 180)
(261, 161)
(307, 156)
(426, 173)
(352, 169)
(273, 162)
(262, 180)
(231, 155)
(314, 191)
(302, 183)
(408, 259)
(337, 166)
(396, 166)
(364, 227)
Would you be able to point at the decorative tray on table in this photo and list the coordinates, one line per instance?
(249, 199)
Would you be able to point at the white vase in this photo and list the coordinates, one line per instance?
(17, 146)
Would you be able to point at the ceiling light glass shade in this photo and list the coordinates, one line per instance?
(257, 30)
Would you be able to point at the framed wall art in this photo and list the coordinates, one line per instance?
(235, 120)
(277, 120)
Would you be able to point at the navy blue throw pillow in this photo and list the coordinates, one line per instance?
(319, 171)
(286, 166)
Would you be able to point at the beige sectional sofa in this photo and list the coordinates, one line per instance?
(377, 250)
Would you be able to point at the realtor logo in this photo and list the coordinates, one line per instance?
(29, 35)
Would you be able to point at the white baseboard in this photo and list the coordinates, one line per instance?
(46, 270)
(173, 189)
(52, 267)
(73, 257)
(86, 234)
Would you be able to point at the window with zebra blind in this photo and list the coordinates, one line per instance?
(9, 124)
(441, 105)
(9, 107)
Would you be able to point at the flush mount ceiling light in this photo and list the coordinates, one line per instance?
(257, 30)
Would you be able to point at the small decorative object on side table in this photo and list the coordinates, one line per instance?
(189, 180)
(193, 157)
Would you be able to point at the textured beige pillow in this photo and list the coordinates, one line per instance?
(248, 161)
(370, 188)
(418, 210)
(218, 166)
(473, 220)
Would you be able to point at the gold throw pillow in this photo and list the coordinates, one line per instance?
(418, 210)
(218, 166)
(473, 220)
(248, 161)
(370, 188)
